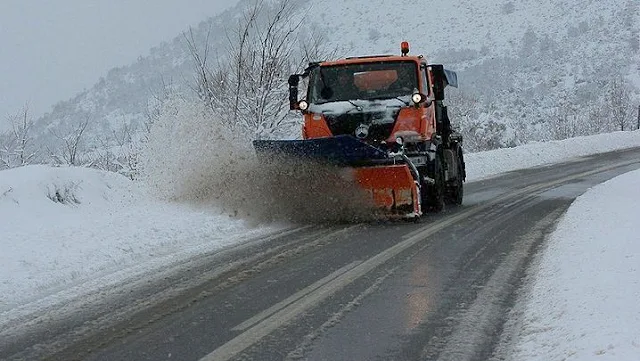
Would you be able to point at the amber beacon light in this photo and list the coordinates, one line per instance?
(404, 47)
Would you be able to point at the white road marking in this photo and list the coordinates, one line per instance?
(292, 310)
(298, 295)
(286, 314)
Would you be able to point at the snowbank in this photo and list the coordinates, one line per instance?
(485, 164)
(584, 302)
(60, 227)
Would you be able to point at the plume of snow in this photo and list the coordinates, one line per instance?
(193, 157)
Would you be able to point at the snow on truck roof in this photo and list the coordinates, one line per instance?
(371, 59)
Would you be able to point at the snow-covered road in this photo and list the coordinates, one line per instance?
(65, 228)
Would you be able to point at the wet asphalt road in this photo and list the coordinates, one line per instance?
(439, 289)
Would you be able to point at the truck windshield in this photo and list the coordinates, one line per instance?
(380, 80)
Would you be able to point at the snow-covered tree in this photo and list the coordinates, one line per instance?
(479, 130)
(564, 120)
(16, 147)
(6, 146)
(247, 85)
(618, 104)
(71, 144)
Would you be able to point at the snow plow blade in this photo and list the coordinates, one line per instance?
(390, 184)
(339, 150)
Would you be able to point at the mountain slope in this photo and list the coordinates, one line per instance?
(519, 63)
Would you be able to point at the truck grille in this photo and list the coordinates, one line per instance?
(380, 124)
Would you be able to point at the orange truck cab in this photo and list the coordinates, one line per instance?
(383, 115)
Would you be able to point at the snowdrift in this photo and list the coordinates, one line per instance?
(60, 227)
(493, 162)
(583, 301)
(64, 190)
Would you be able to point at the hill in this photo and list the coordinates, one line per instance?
(528, 71)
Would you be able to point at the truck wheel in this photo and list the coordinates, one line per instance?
(456, 192)
(435, 194)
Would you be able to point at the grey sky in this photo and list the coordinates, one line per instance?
(52, 49)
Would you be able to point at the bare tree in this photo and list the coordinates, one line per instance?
(480, 131)
(564, 121)
(71, 144)
(116, 152)
(206, 88)
(596, 118)
(247, 85)
(15, 145)
(103, 157)
(314, 46)
(128, 150)
(618, 103)
(6, 150)
(21, 131)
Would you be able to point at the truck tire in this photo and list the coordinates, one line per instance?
(434, 197)
(455, 191)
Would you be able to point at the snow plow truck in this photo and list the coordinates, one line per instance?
(384, 117)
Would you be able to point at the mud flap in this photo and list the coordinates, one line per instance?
(392, 188)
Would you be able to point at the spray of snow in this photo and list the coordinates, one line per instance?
(194, 157)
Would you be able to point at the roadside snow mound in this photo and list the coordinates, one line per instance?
(493, 162)
(583, 303)
(46, 190)
(63, 227)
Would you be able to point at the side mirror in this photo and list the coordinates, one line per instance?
(294, 80)
(438, 81)
(441, 79)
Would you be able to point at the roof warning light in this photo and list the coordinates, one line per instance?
(404, 47)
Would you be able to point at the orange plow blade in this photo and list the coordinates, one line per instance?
(392, 188)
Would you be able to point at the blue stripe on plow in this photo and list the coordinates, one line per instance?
(341, 149)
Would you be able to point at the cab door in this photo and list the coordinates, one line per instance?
(428, 123)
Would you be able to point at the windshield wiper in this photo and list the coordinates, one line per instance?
(391, 97)
(403, 102)
(358, 108)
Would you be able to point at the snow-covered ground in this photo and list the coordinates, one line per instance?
(65, 227)
(584, 302)
(486, 164)
(61, 227)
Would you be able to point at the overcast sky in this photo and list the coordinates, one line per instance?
(52, 49)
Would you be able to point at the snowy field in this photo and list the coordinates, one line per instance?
(63, 228)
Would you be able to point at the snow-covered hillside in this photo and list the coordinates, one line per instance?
(541, 69)
(520, 63)
(486, 26)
